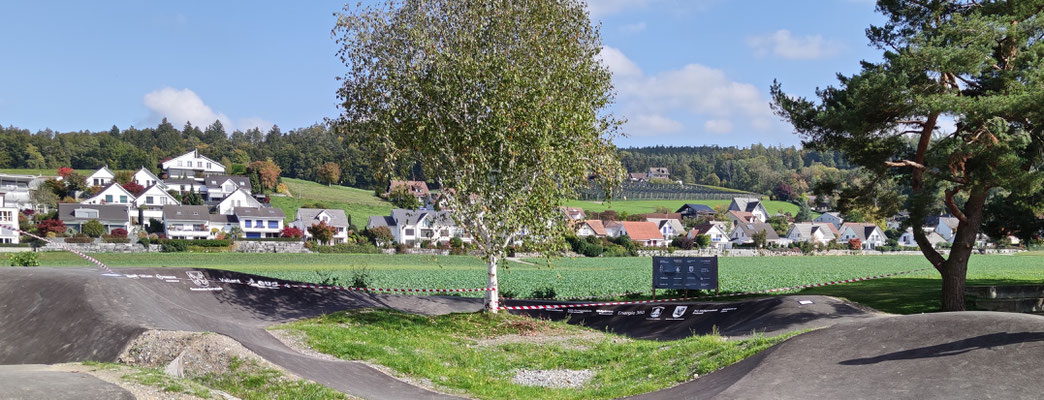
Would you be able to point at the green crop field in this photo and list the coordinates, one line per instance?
(43, 171)
(911, 293)
(648, 206)
(358, 203)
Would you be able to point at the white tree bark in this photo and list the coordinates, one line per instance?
(492, 295)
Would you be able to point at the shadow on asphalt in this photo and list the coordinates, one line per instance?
(988, 341)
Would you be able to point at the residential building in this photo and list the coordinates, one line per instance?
(186, 222)
(103, 176)
(741, 217)
(306, 217)
(222, 223)
(260, 222)
(410, 227)
(238, 198)
(112, 216)
(18, 188)
(637, 176)
(945, 226)
(112, 193)
(591, 227)
(907, 238)
(613, 228)
(696, 211)
(659, 173)
(8, 222)
(574, 213)
(719, 238)
(815, 232)
(185, 185)
(669, 227)
(146, 178)
(416, 188)
(192, 165)
(871, 236)
(643, 232)
(896, 221)
(834, 218)
(149, 204)
(749, 205)
(220, 186)
(744, 233)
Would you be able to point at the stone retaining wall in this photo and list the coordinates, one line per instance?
(103, 247)
(255, 246)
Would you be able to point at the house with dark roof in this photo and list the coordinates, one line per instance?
(749, 205)
(715, 232)
(306, 217)
(112, 216)
(659, 173)
(816, 232)
(696, 211)
(870, 235)
(187, 222)
(744, 233)
(260, 222)
(411, 227)
(221, 186)
(832, 217)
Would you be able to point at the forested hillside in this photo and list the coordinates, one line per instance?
(779, 171)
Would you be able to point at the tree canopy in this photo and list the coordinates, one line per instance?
(502, 101)
(979, 64)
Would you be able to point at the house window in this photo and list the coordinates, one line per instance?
(179, 163)
(123, 199)
(199, 164)
(208, 165)
(273, 224)
(163, 200)
(5, 216)
(148, 199)
(247, 223)
(108, 198)
(409, 232)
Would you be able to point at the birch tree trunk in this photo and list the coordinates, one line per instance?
(493, 294)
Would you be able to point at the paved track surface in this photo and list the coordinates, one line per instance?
(969, 355)
(44, 382)
(55, 315)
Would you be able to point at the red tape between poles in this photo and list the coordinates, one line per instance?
(783, 289)
(85, 257)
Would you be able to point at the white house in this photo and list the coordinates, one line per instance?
(574, 213)
(103, 176)
(944, 226)
(8, 222)
(259, 222)
(870, 235)
(831, 218)
(306, 217)
(744, 233)
(112, 193)
(112, 216)
(238, 198)
(907, 238)
(192, 165)
(749, 205)
(149, 204)
(613, 229)
(146, 178)
(817, 232)
(220, 186)
(185, 185)
(591, 227)
(410, 227)
(186, 222)
(669, 227)
(719, 239)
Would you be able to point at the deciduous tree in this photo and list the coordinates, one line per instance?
(976, 63)
(503, 101)
(330, 173)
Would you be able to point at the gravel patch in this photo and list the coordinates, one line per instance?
(553, 378)
(190, 353)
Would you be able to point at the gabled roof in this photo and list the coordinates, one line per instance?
(104, 168)
(217, 180)
(573, 212)
(310, 216)
(638, 175)
(861, 230)
(649, 216)
(696, 208)
(742, 216)
(146, 170)
(831, 214)
(380, 220)
(130, 196)
(642, 230)
(157, 187)
(186, 213)
(259, 212)
(229, 197)
(658, 170)
(806, 230)
(417, 188)
(413, 217)
(750, 228)
(596, 226)
(703, 229)
(181, 181)
(748, 204)
(223, 219)
(675, 224)
(106, 212)
(194, 154)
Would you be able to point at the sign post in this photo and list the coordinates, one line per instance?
(684, 273)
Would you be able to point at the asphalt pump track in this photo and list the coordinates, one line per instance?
(58, 315)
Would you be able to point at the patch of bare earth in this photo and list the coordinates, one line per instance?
(190, 354)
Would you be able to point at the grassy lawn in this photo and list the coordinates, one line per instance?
(479, 354)
(44, 171)
(648, 206)
(358, 203)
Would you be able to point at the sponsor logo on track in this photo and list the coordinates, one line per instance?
(679, 313)
(630, 313)
(604, 312)
(203, 285)
(655, 313)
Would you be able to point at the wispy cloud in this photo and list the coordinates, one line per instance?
(180, 106)
(785, 45)
(633, 28)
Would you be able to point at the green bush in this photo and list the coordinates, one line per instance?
(544, 293)
(199, 242)
(348, 248)
(456, 243)
(589, 249)
(174, 246)
(79, 239)
(93, 228)
(24, 259)
(274, 239)
(615, 251)
(115, 239)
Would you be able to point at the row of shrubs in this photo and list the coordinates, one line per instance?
(179, 245)
(347, 248)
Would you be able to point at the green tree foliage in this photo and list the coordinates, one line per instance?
(401, 197)
(975, 62)
(804, 212)
(24, 259)
(266, 173)
(322, 232)
(702, 241)
(760, 238)
(502, 101)
(93, 228)
(779, 224)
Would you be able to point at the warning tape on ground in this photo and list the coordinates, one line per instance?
(59, 245)
(593, 297)
(782, 289)
(275, 284)
(362, 289)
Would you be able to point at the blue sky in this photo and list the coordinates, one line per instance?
(688, 72)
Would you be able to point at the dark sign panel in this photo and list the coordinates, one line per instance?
(696, 273)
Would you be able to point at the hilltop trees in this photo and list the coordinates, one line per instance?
(502, 101)
(976, 63)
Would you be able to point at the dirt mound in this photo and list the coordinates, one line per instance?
(929, 356)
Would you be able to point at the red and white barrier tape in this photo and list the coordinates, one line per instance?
(84, 256)
(783, 289)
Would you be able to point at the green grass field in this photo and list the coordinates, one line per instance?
(575, 277)
(648, 206)
(44, 171)
(358, 203)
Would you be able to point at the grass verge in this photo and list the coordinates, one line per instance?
(479, 354)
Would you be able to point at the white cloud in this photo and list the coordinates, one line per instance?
(718, 126)
(633, 28)
(181, 106)
(602, 8)
(785, 45)
(652, 125)
(695, 90)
